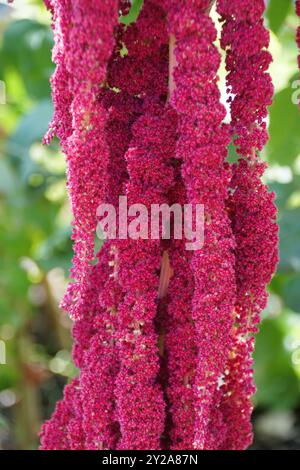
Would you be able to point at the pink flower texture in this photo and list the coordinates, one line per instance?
(163, 337)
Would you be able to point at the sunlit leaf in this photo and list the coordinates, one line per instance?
(32, 126)
(277, 12)
(133, 13)
(284, 144)
(27, 49)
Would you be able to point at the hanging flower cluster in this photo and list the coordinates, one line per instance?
(139, 396)
(202, 147)
(253, 213)
(162, 335)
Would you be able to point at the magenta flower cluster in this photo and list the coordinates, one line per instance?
(163, 337)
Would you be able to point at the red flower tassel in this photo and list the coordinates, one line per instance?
(252, 208)
(202, 146)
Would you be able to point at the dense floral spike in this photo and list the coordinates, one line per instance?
(101, 359)
(140, 404)
(254, 217)
(203, 147)
(85, 60)
(75, 431)
(245, 40)
(63, 431)
(76, 123)
(100, 362)
(140, 400)
(61, 124)
(89, 418)
(179, 346)
(94, 351)
(123, 105)
(118, 402)
(123, 110)
(89, 334)
(252, 208)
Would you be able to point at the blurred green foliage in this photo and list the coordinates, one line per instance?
(35, 229)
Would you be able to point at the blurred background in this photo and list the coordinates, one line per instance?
(35, 248)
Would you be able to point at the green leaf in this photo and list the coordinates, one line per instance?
(284, 144)
(32, 126)
(277, 384)
(277, 12)
(134, 12)
(291, 294)
(26, 49)
(7, 177)
(3, 423)
(233, 156)
(289, 241)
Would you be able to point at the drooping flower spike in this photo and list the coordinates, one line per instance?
(253, 213)
(61, 124)
(140, 402)
(79, 122)
(180, 343)
(101, 360)
(58, 433)
(135, 430)
(162, 335)
(77, 83)
(202, 146)
(90, 333)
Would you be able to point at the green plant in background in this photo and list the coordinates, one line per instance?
(34, 236)
(35, 220)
